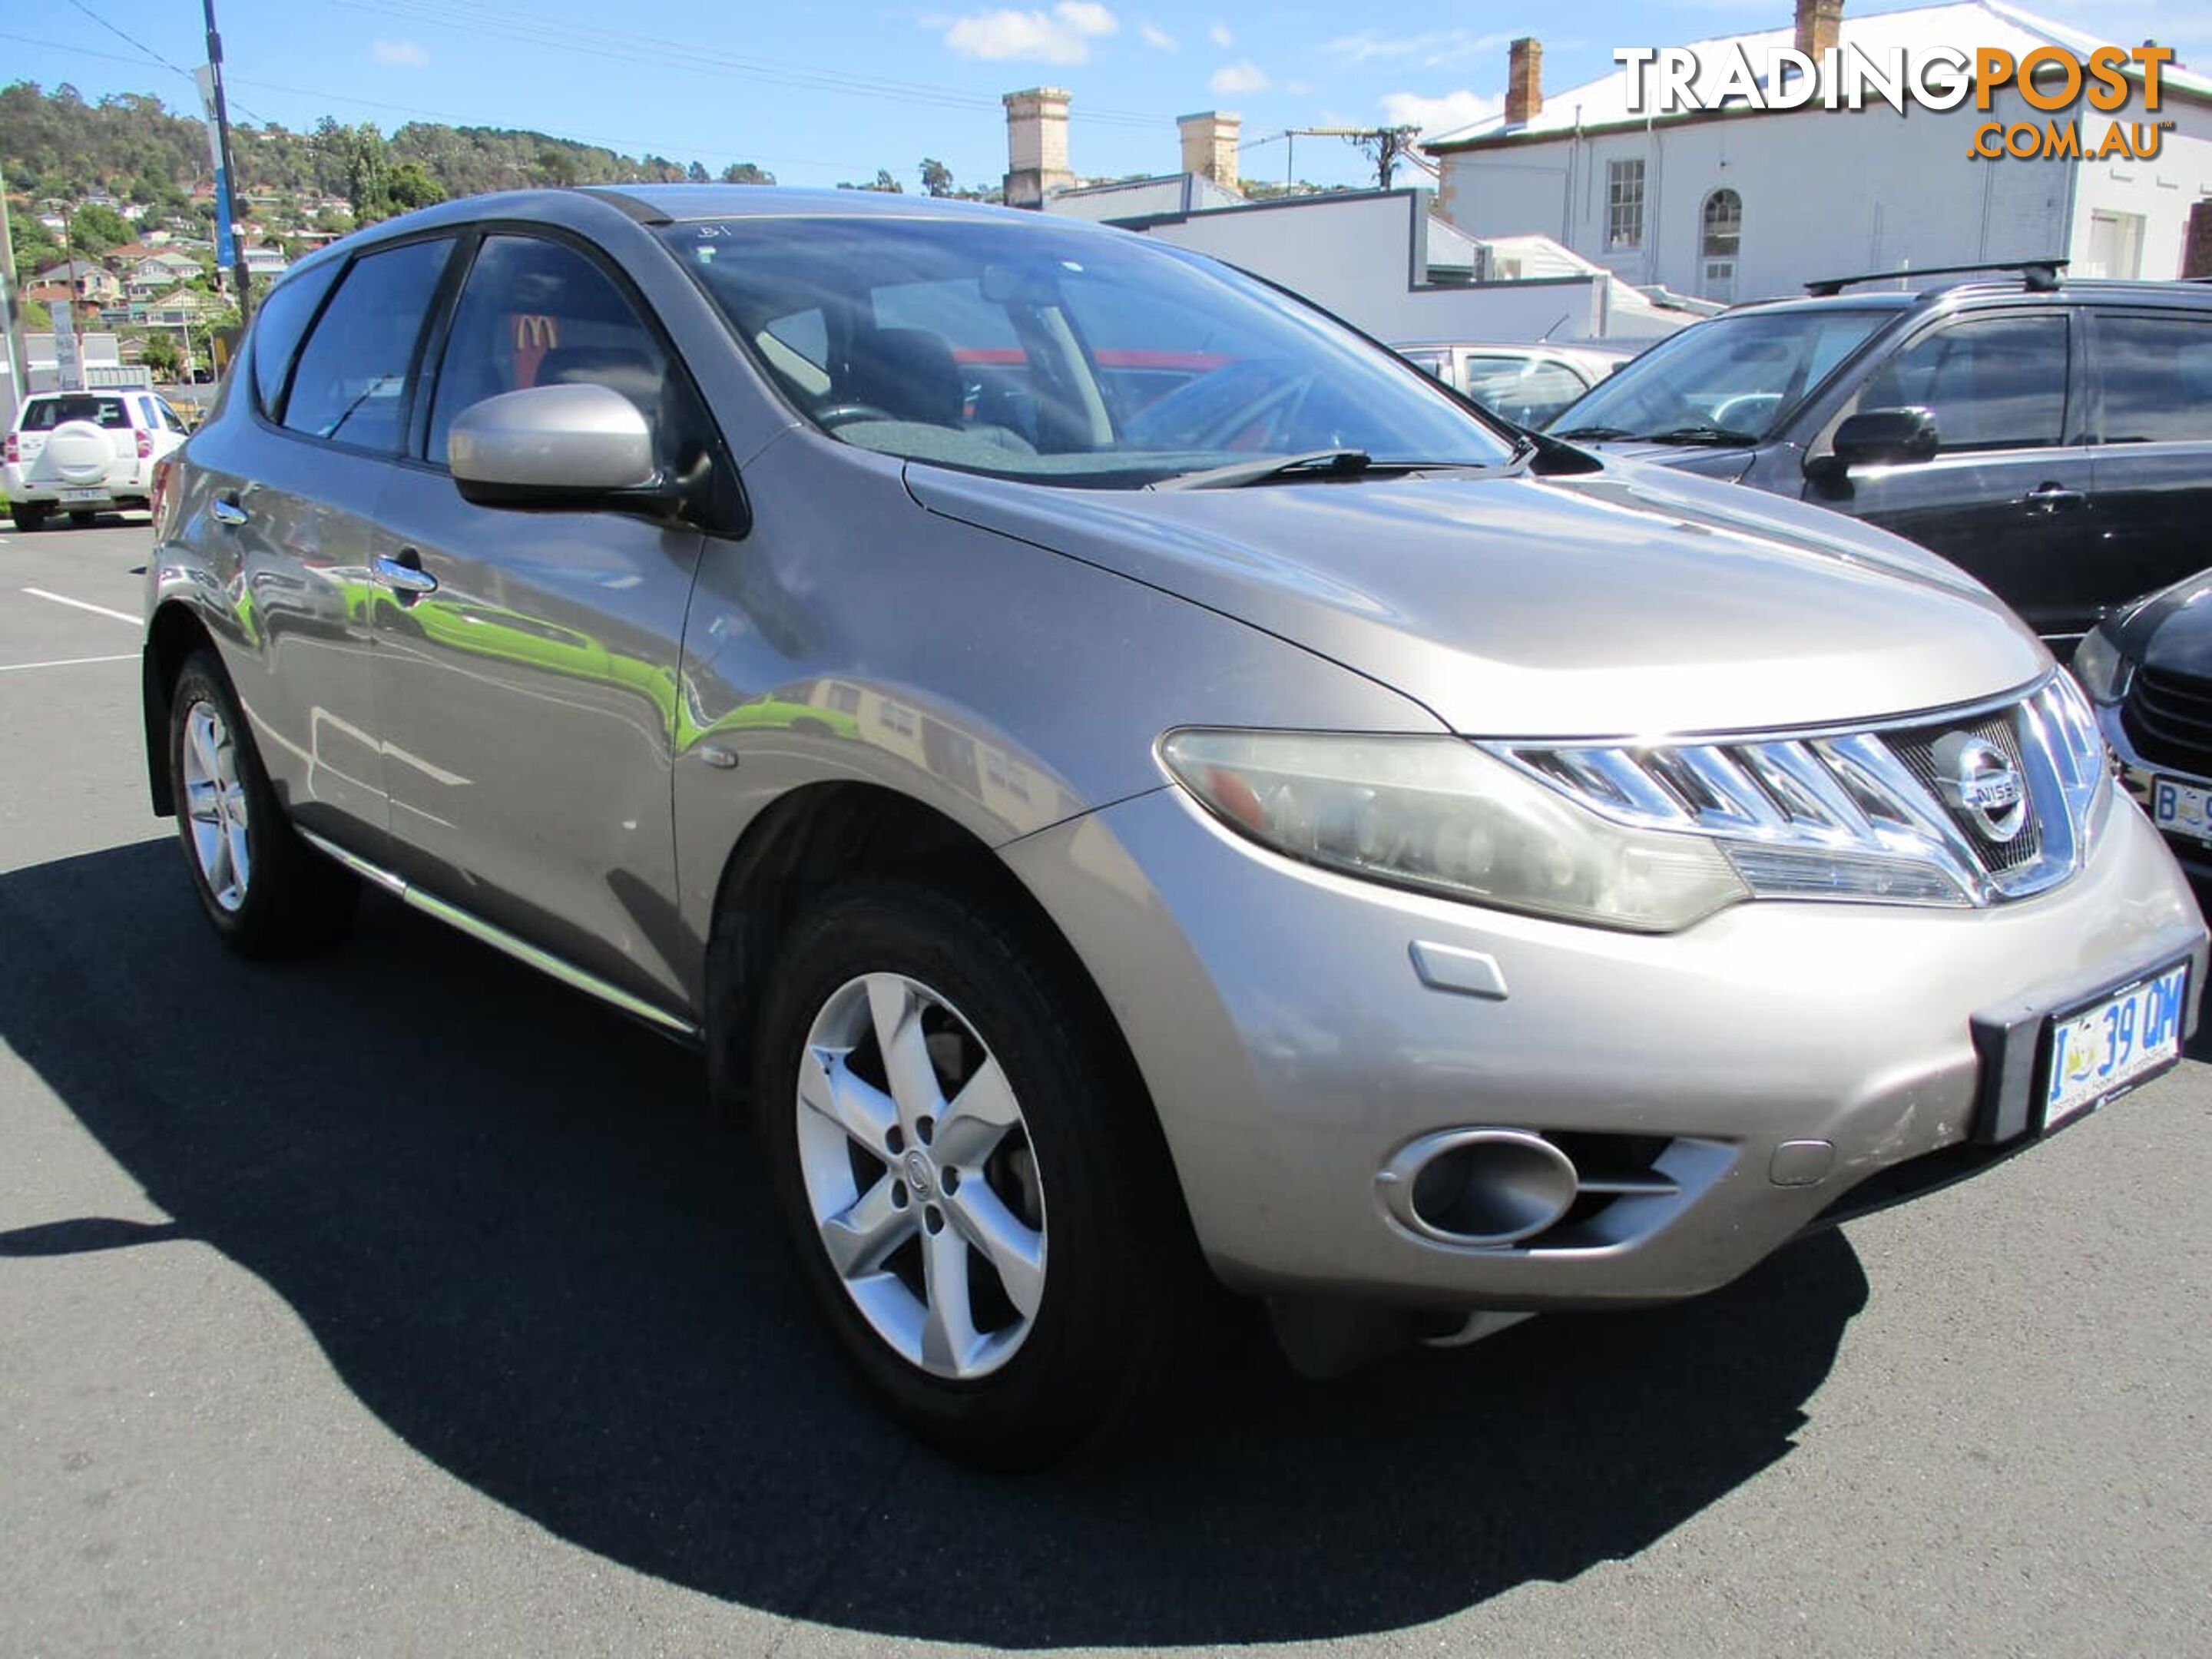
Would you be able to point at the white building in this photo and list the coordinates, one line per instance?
(1744, 202)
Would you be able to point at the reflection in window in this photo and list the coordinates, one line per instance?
(2158, 379)
(1993, 383)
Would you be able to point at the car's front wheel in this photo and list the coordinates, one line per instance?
(981, 1204)
(266, 891)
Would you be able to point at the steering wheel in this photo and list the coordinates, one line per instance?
(839, 414)
(1762, 403)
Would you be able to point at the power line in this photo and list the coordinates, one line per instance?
(661, 145)
(142, 46)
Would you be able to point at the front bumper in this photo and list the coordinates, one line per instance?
(2138, 776)
(1292, 1050)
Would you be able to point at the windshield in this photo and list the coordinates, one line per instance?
(1057, 352)
(1730, 379)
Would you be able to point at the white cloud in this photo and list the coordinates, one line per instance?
(1220, 36)
(1439, 115)
(1233, 78)
(1063, 35)
(404, 53)
(1432, 49)
(1159, 37)
(1298, 88)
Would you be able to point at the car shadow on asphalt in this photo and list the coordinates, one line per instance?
(503, 1213)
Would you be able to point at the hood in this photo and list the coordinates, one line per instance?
(2171, 630)
(1634, 600)
(1705, 461)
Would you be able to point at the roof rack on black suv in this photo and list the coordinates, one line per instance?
(2041, 275)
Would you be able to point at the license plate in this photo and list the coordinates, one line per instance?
(2181, 808)
(84, 494)
(2104, 1049)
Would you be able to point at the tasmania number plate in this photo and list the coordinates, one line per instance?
(84, 494)
(2182, 809)
(2111, 1045)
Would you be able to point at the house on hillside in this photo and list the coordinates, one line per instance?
(1741, 202)
(180, 308)
(85, 279)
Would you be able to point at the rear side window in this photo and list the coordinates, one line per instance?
(283, 317)
(1526, 391)
(350, 383)
(45, 413)
(2157, 377)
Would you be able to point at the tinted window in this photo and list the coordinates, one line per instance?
(539, 314)
(2157, 376)
(45, 413)
(1991, 383)
(351, 381)
(277, 329)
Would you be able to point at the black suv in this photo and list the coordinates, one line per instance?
(2052, 438)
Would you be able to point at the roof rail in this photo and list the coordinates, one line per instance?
(2041, 275)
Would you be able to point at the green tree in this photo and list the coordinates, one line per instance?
(410, 187)
(744, 173)
(163, 356)
(885, 183)
(695, 173)
(94, 230)
(936, 177)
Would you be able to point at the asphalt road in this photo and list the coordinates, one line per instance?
(400, 1302)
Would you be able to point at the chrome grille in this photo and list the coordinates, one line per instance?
(1917, 750)
(2168, 718)
(1862, 814)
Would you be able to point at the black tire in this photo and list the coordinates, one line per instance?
(1124, 1285)
(84, 520)
(28, 515)
(293, 899)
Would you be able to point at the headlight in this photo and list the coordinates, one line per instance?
(1436, 814)
(2099, 669)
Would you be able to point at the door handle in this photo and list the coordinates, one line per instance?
(225, 509)
(2053, 498)
(403, 576)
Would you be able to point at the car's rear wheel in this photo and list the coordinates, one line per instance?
(968, 1166)
(266, 891)
(28, 515)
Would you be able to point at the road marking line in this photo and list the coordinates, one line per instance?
(83, 604)
(63, 662)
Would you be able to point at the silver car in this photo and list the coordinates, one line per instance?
(1135, 789)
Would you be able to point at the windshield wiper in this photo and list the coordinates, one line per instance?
(1322, 463)
(1595, 434)
(1700, 435)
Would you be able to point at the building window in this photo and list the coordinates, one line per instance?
(1624, 204)
(1720, 233)
(2115, 244)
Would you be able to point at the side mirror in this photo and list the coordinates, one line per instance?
(573, 446)
(1879, 437)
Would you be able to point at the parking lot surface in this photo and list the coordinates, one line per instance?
(400, 1301)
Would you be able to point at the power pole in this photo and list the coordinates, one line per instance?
(11, 316)
(224, 218)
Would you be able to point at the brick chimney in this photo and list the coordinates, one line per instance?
(1524, 80)
(1209, 145)
(1819, 22)
(1036, 145)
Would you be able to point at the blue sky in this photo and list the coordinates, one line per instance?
(819, 94)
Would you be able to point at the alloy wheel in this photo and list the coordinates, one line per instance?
(215, 803)
(919, 1176)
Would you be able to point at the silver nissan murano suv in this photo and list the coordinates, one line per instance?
(1134, 788)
